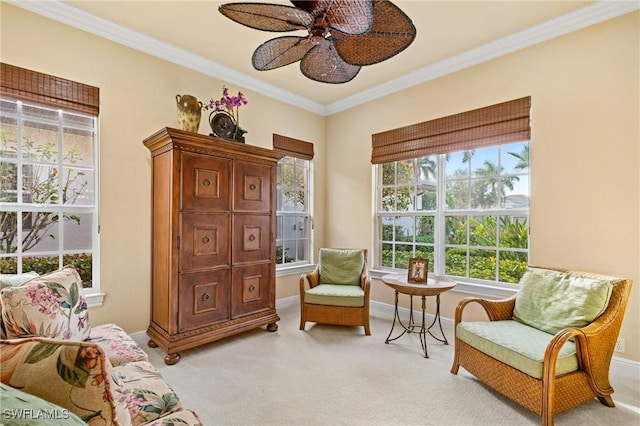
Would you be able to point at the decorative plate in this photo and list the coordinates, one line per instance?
(222, 125)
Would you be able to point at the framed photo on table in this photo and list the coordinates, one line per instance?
(418, 269)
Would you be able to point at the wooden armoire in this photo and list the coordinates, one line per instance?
(213, 239)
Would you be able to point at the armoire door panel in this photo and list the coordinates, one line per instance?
(204, 240)
(251, 238)
(252, 186)
(203, 298)
(205, 182)
(250, 289)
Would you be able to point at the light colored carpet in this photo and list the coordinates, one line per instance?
(332, 375)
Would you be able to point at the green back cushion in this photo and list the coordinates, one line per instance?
(20, 408)
(552, 300)
(340, 266)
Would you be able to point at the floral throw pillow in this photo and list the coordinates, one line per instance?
(13, 280)
(51, 305)
(73, 375)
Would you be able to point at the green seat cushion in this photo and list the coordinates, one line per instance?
(517, 345)
(335, 295)
(552, 300)
(20, 409)
(337, 266)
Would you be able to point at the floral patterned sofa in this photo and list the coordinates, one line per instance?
(97, 375)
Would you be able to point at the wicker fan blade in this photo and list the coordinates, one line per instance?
(347, 16)
(392, 32)
(268, 17)
(279, 52)
(322, 63)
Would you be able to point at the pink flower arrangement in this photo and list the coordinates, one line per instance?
(228, 104)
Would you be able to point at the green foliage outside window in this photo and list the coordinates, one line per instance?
(40, 186)
(45, 167)
(43, 265)
(482, 266)
(293, 237)
(484, 238)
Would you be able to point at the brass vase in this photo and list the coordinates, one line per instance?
(189, 112)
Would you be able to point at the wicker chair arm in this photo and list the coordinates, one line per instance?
(554, 346)
(366, 286)
(496, 309)
(596, 345)
(312, 278)
(365, 280)
(584, 355)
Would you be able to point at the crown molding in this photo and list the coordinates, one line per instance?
(61, 12)
(565, 24)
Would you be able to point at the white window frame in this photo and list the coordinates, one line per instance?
(93, 295)
(301, 265)
(466, 284)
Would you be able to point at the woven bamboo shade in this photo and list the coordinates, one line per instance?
(27, 85)
(293, 147)
(496, 124)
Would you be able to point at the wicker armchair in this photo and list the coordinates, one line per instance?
(553, 392)
(341, 295)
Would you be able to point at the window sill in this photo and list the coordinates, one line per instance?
(94, 300)
(464, 287)
(294, 270)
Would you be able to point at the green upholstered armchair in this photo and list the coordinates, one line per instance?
(548, 347)
(337, 291)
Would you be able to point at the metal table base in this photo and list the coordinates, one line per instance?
(412, 327)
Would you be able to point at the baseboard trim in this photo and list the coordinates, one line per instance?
(287, 302)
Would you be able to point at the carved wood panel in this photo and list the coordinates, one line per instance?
(251, 289)
(251, 238)
(204, 240)
(203, 298)
(252, 187)
(205, 182)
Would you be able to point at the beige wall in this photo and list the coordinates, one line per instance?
(585, 184)
(585, 157)
(137, 98)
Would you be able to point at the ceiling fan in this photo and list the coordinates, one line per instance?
(343, 35)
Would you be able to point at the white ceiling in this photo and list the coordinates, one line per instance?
(451, 35)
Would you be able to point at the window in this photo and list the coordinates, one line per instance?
(293, 206)
(48, 177)
(464, 210)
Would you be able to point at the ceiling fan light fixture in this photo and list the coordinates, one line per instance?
(316, 36)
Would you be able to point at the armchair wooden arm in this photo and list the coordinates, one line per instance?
(496, 310)
(365, 282)
(312, 278)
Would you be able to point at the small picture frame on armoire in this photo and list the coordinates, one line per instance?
(418, 269)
